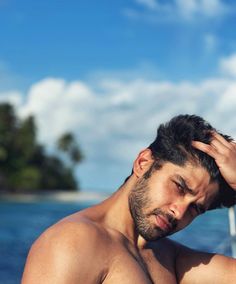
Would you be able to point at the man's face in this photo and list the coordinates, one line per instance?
(170, 199)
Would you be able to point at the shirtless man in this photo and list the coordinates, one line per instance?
(187, 170)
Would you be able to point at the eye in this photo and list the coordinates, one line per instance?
(180, 188)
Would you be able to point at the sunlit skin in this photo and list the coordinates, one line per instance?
(170, 199)
(104, 243)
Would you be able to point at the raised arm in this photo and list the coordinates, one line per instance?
(65, 253)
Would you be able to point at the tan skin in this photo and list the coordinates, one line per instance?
(101, 244)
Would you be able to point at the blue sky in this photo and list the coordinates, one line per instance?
(72, 39)
(111, 72)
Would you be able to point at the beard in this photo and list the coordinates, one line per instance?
(139, 202)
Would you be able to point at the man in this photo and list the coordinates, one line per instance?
(187, 170)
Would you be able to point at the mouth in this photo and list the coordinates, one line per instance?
(163, 223)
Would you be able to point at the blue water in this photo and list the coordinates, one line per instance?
(21, 224)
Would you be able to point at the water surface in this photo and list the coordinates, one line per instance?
(22, 223)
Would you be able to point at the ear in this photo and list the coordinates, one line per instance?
(142, 163)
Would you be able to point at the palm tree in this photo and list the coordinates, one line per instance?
(67, 144)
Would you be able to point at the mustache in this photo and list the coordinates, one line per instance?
(170, 218)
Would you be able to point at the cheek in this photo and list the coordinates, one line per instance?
(162, 194)
(160, 200)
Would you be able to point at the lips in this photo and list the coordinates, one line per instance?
(163, 223)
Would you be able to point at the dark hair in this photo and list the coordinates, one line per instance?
(173, 144)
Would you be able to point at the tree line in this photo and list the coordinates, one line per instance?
(25, 165)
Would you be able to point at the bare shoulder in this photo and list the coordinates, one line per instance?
(193, 266)
(206, 267)
(65, 253)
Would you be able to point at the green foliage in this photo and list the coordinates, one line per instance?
(26, 179)
(24, 164)
(67, 144)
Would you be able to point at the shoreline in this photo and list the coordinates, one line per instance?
(58, 196)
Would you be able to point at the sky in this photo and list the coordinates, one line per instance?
(112, 71)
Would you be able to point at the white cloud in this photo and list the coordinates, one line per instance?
(207, 8)
(115, 118)
(56, 105)
(177, 10)
(228, 100)
(228, 65)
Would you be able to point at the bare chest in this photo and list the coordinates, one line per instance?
(160, 267)
(146, 268)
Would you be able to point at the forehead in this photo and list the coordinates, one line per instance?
(195, 177)
(191, 172)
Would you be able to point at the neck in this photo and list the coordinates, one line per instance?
(117, 213)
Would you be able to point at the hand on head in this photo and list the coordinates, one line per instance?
(224, 154)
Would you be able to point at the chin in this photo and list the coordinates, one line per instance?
(155, 235)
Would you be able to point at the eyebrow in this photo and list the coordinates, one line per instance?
(184, 185)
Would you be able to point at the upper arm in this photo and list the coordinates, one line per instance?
(64, 254)
(199, 267)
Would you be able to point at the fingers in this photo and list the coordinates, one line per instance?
(224, 154)
(219, 146)
(223, 146)
(206, 148)
(220, 140)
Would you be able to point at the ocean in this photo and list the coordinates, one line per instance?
(21, 223)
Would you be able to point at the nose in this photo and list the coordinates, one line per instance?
(178, 210)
